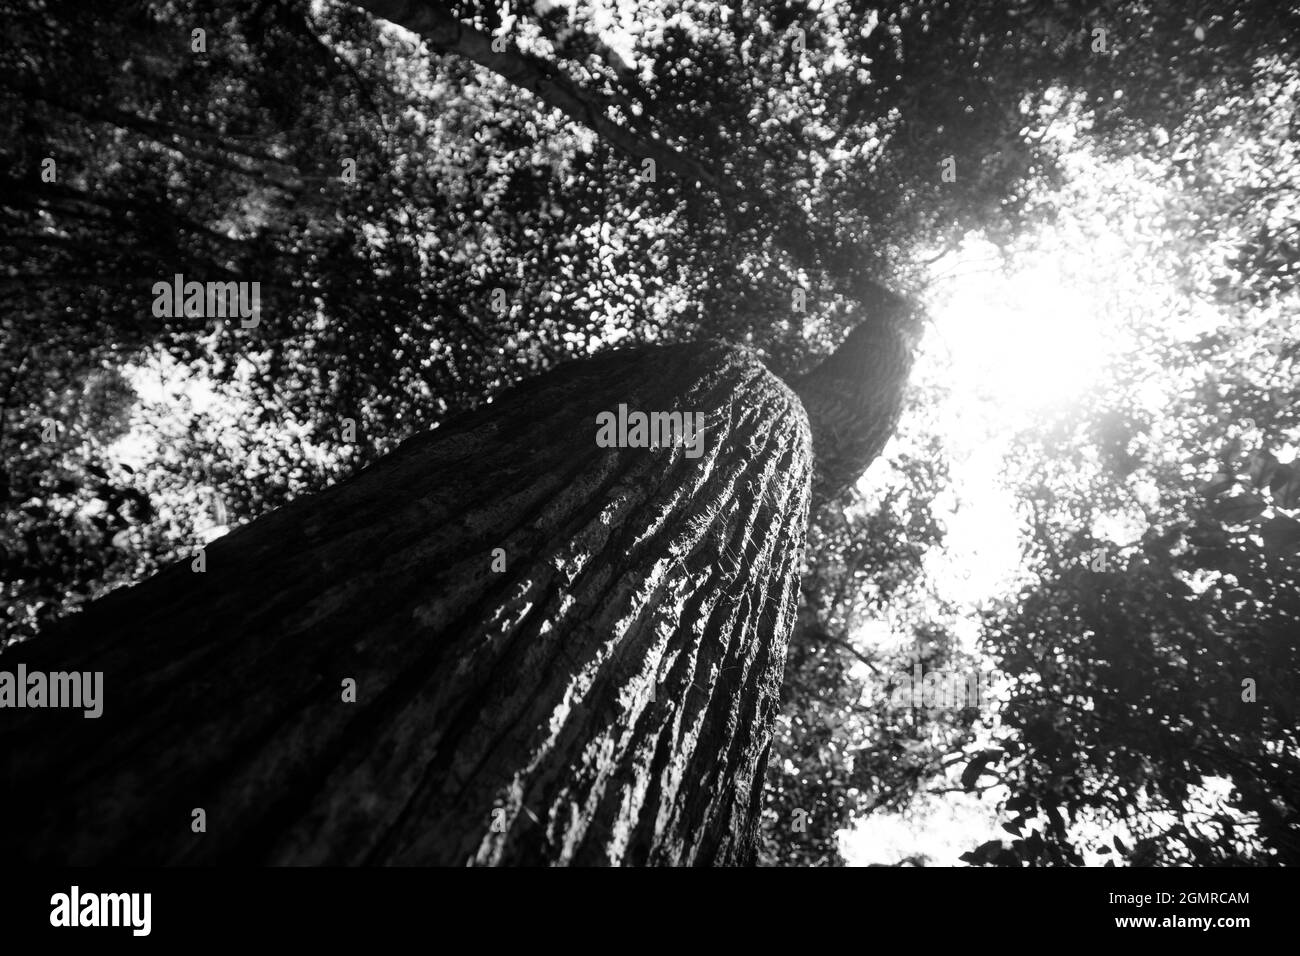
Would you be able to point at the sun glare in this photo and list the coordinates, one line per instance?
(1006, 347)
(1020, 342)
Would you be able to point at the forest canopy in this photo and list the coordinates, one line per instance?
(1095, 202)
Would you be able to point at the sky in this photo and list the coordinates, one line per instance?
(1014, 343)
(1007, 345)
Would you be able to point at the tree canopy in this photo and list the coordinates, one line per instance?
(440, 200)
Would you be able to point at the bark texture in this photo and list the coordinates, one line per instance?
(855, 396)
(606, 699)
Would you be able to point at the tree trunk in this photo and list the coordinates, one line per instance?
(607, 698)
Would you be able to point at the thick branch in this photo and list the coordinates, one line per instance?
(443, 31)
(855, 396)
(798, 235)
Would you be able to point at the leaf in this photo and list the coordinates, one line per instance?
(1239, 509)
(971, 774)
(1229, 452)
(1019, 802)
(1281, 535)
(1285, 487)
(1217, 485)
(1119, 844)
(1261, 466)
(1006, 857)
(984, 853)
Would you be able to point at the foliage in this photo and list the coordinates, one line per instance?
(484, 239)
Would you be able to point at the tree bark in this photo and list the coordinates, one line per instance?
(607, 698)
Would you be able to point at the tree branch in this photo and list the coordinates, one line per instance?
(443, 31)
(796, 233)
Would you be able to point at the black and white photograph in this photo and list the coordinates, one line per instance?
(753, 435)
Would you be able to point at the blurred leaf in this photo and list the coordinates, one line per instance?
(1239, 509)
(1217, 485)
(984, 853)
(1285, 486)
(1281, 535)
(1261, 467)
(976, 767)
